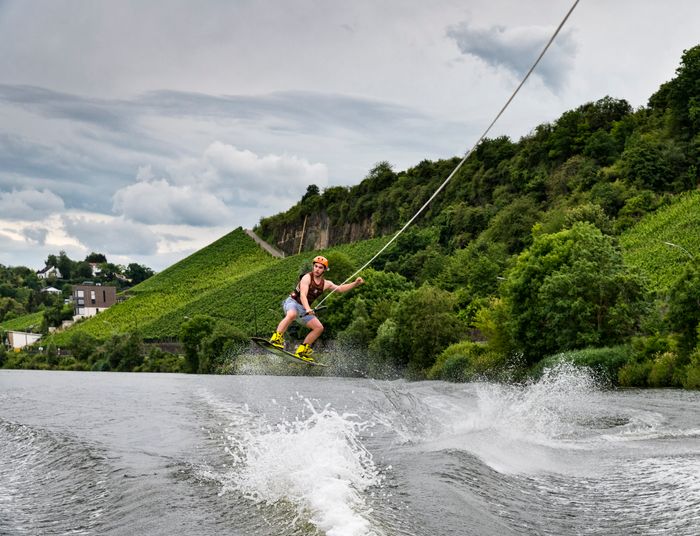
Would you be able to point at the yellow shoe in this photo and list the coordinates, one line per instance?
(277, 340)
(304, 352)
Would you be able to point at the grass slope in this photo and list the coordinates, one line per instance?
(646, 245)
(253, 301)
(232, 279)
(229, 258)
(28, 322)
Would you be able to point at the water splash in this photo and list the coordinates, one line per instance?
(546, 411)
(316, 463)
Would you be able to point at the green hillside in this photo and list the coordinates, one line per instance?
(229, 258)
(28, 322)
(663, 242)
(231, 279)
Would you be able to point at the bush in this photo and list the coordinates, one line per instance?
(634, 374)
(605, 361)
(466, 360)
(665, 371)
(124, 352)
(70, 363)
(425, 325)
(82, 346)
(692, 372)
(192, 335)
(684, 307)
(359, 332)
(217, 348)
(159, 361)
(101, 365)
(455, 368)
(384, 350)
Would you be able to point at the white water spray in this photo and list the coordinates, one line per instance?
(316, 463)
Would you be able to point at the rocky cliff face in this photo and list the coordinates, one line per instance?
(320, 234)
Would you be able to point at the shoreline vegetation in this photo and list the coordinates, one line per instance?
(576, 244)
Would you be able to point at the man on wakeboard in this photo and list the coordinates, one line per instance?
(298, 306)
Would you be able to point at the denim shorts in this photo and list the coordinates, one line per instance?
(290, 304)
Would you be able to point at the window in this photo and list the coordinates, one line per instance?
(93, 299)
(80, 293)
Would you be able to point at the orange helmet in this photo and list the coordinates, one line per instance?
(321, 260)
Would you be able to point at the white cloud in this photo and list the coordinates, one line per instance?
(29, 204)
(158, 201)
(117, 235)
(219, 187)
(270, 173)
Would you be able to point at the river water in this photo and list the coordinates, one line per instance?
(123, 454)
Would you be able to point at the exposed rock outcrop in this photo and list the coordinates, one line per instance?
(318, 233)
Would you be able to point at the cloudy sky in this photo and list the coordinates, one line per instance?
(147, 129)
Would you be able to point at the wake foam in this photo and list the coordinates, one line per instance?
(546, 411)
(316, 462)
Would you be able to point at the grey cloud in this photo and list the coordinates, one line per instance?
(55, 104)
(29, 204)
(20, 253)
(120, 124)
(515, 49)
(36, 234)
(18, 155)
(293, 110)
(118, 237)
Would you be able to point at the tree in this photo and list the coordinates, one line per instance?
(98, 258)
(571, 290)
(82, 346)
(681, 96)
(56, 314)
(83, 270)
(475, 269)
(651, 162)
(138, 273)
(10, 308)
(513, 224)
(64, 265)
(52, 261)
(380, 291)
(684, 306)
(124, 352)
(192, 334)
(359, 332)
(311, 191)
(425, 325)
(220, 346)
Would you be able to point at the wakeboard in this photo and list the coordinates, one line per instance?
(267, 345)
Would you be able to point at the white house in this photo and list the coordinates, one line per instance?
(20, 339)
(51, 290)
(49, 271)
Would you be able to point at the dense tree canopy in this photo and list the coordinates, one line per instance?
(571, 290)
